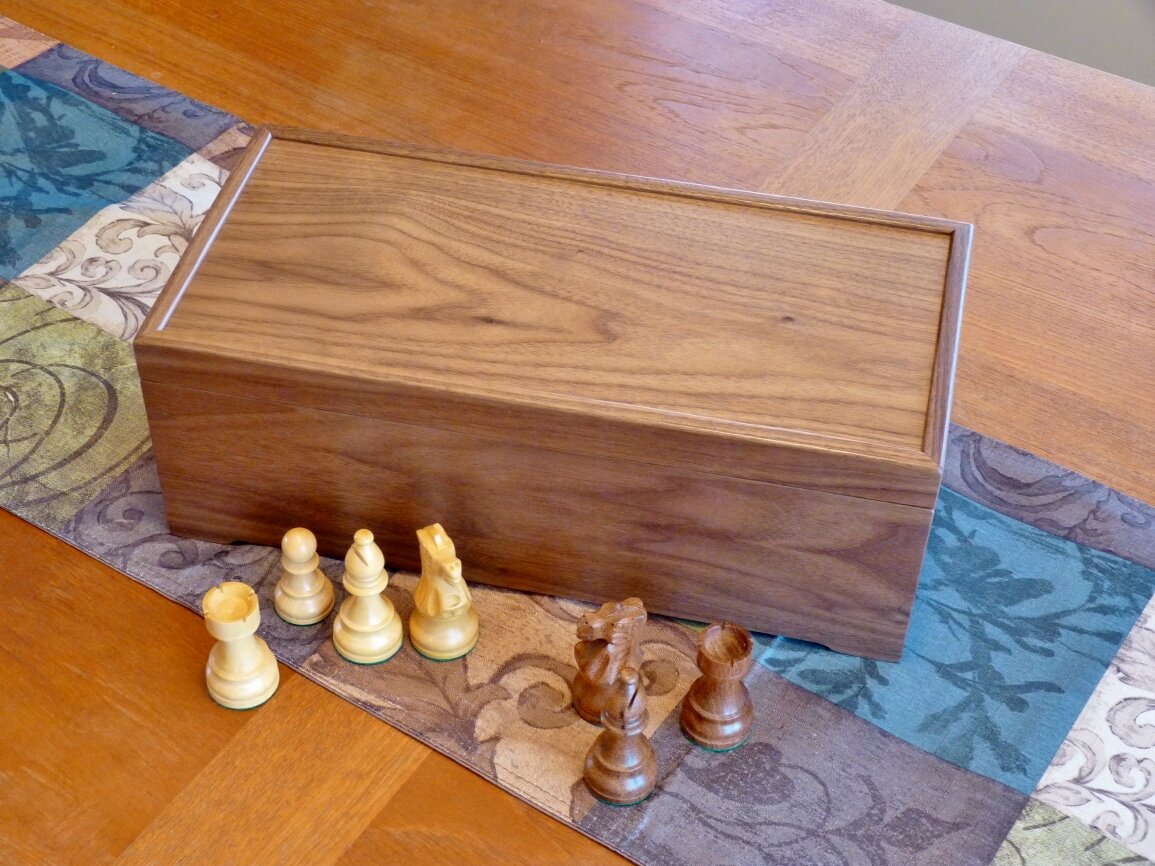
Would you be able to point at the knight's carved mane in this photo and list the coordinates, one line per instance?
(613, 622)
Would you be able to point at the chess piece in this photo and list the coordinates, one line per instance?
(717, 712)
(444, 624)
(304, 594)
(367, 629)
(621, 768)
(241, 672)
(609, 639)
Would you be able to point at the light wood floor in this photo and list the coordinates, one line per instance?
(109, 748)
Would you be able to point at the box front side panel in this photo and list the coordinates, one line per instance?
(834, 569)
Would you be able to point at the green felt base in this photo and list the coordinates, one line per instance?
(745, 740)
(369, 664)
(455, 658)
(242, 709)
(623, 805)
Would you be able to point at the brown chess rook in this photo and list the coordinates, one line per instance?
(621, 767)
(609, 639)
(717, 712)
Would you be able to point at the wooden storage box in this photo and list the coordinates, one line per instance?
(728, 404)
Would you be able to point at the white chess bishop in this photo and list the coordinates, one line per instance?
(444, 624)
(367, 629)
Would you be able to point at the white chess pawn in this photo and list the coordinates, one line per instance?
(304, 594)
(444, 624)
(241, 672)
(367, 629)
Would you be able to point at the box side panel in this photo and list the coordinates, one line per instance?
(828, 568)
(850, 469)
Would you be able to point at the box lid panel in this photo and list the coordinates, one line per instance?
(644, 301)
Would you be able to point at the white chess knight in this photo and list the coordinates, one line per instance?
(444, 624)
(367, 629)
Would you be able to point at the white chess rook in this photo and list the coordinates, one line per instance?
(242, 671)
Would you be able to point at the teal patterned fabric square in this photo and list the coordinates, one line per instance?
(1011, 631)
(62, 159)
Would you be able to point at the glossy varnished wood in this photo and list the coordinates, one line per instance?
(112, 750)
(1051, 161)
(106, 717)
(689, 543)
(378, 296)
(725, 93)
(576, 290)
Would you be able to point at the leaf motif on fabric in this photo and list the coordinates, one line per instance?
(913, 830)
(752, 774)
(1136, 776)
(1063, 794)
(1130, 722)
(544, 707)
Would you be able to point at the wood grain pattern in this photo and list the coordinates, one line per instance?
(576, 290)
(567, 300)
(1053, 167)
(443, 808)
(929, 81)
(871, 471)
(1059, 334)
(785, 560)
(107, 715)
(207, 232)
(334, 755)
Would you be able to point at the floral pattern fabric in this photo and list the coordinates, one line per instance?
(1104, 773)
(111, 270)
(1011, 630)
(62, 159)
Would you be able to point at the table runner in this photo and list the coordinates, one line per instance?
(1015, 727)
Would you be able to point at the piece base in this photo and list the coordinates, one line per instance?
(719, 751)
(445, 658)
(622, 805)
(303, 623)
(248, 704)
(368, 663)
(240, 709)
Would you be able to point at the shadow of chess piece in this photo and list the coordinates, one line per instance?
(241, 672)
(717, 712)
(304, 594)
(621, 768)
(444, 624)
(367, 629)
(609, 639)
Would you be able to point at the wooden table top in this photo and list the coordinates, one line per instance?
(118, 752)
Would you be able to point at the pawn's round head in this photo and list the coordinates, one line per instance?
(299, 545)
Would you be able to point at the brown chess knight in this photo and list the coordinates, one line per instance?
(609, 639)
